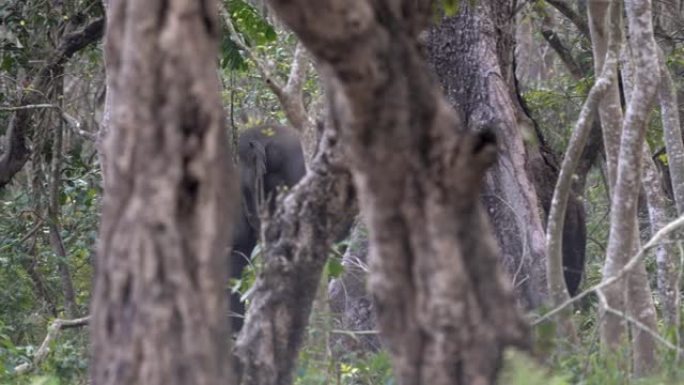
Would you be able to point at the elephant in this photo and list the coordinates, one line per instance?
(269, 157)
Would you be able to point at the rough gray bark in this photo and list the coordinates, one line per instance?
(472, 54)
(444, 308)
(621, 242)
(296, 241)
(159, 307)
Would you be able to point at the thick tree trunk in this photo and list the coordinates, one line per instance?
(443, 306)
(472, 54)
(296, 242)
(159, 308)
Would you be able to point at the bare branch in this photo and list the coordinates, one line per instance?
(640, 325)
(27, 107)
(53, 331)
(656, 240)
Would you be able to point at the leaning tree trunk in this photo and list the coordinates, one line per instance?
(444, 307)
(159, 309)
(472, 54)
(297, 240)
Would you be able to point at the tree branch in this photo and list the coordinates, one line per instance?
(654, 241)
(16, 150)
(564, 8)
(53, 331)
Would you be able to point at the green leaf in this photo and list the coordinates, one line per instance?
(335, 267)
(230, 56)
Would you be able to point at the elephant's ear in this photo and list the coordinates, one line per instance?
(259, 158)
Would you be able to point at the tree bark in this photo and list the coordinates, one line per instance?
(621, 241)
(443, 306)
(672, 132)
(350, 302)
(296, 243)
(159, 307)
(668, 260)
(601, 20)
(472, 54)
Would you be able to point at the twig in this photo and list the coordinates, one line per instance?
(639, 325)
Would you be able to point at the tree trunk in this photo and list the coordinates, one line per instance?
(622, 242)
(296, 243)
(159, 307)
(472, 54)
(668, 261)
(610, 110)
(350, 302)
(443, 306)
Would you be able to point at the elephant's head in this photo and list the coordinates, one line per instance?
(252, 173)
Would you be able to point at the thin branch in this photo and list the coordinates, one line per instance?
(562, 51)
(271, 81)
(53, 331)
(639, 325)
(298, 70)
(656, 240)
(27, 107)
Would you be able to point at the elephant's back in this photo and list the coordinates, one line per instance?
(269, 135)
